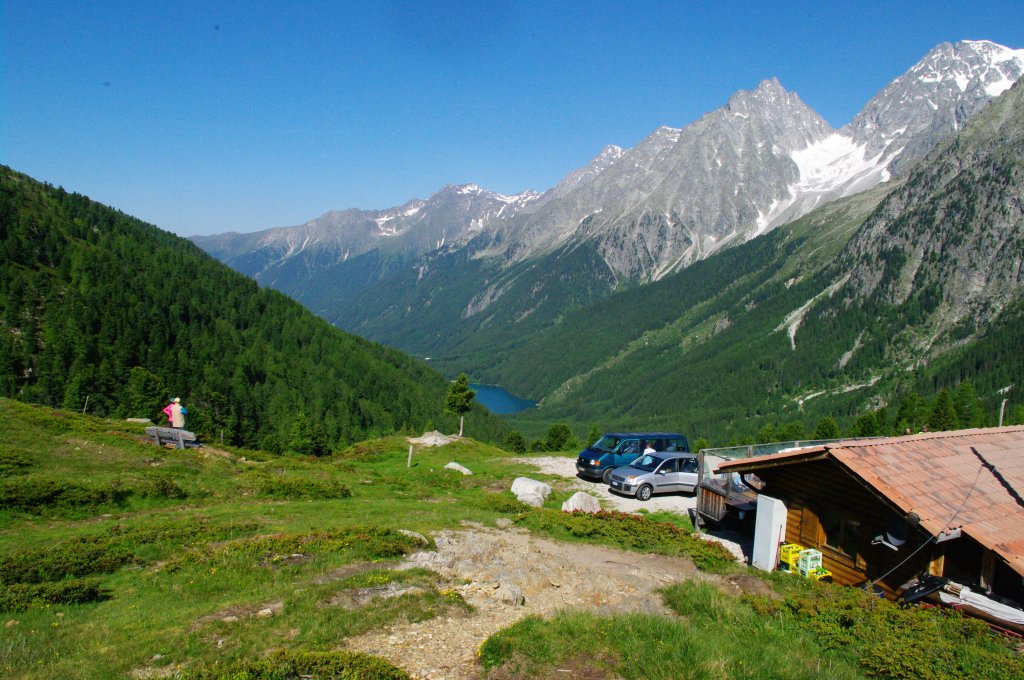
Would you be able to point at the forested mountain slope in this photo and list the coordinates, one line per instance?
(468, 268)
(100, 306)
(799, 323)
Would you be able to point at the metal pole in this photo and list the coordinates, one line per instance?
(1002, 409)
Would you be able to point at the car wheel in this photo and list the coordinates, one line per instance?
(607, 476)
(644, 493)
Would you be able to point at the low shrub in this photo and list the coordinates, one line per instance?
(163, 487)
(292, 488)
(285, 664)
(34, 494)
(895, 641)
(13, 462)
(183, 533)
(504, 503)
(629, 531)
(73, 557)
(104, 553)
(21, 596)
(366, 542)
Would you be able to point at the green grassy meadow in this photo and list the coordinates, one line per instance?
(121, 559)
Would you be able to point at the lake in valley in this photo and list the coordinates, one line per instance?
(499, 400)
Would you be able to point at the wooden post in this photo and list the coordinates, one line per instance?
(988, 570)
(937, 564)
(409, 463)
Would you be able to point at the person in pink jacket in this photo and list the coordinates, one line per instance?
(175, 413)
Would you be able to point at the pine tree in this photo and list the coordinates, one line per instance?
(561, 438)
(515, 442)
(943, 415)
(792, 431)
(912, 414)
(827, 428)
(766, 434)
(460, 398)
(866, 425)
(144, 394)
(969, 412)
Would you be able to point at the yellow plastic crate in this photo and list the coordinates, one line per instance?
(820, 574)
(788, 555)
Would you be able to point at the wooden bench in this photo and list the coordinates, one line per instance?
(169, 435)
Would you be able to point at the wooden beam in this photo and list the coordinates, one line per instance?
(988, 570)
(937, 565)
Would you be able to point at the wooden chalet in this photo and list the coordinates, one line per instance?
(945, 503)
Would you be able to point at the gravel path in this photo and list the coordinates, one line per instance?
(507, 575)
(680, 503)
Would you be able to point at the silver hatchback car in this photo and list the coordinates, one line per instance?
(656, 473)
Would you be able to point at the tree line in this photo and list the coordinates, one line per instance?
(102, 312)
(959, 408)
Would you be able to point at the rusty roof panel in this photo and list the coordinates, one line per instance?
(938, 476)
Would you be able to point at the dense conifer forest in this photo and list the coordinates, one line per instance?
(104, 313)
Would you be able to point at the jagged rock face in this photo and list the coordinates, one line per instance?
(933, 100)
(714, 186)
(680, 195)
(953, 236)
(418, 227)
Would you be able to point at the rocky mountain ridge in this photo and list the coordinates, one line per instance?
(630, 216)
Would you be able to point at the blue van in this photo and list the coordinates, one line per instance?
(618, 449)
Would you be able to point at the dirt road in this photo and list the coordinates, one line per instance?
(506, 574)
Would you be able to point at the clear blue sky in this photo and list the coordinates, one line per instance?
(204, 117)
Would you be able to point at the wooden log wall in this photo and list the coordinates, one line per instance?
(811, 488)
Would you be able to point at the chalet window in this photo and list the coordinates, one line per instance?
(831, 528)
(840, 532)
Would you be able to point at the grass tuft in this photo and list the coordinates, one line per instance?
(286, 664)
(630, 532)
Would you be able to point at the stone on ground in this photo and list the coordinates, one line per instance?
(583, 502)
(455, 466)
(524, 485)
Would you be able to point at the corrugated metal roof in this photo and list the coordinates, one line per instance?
(937, 476)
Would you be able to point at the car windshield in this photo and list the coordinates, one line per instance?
(606, 443)
(647, 463)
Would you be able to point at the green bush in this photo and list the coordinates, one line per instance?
(503, 502)
(366, 542)
(292, 488)
(13, 462)
(287, 664)
(629, 531)
(73, 557)
(34, 494)
(21, 596)
(163, 487)
(894, 641)
(104, 553)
